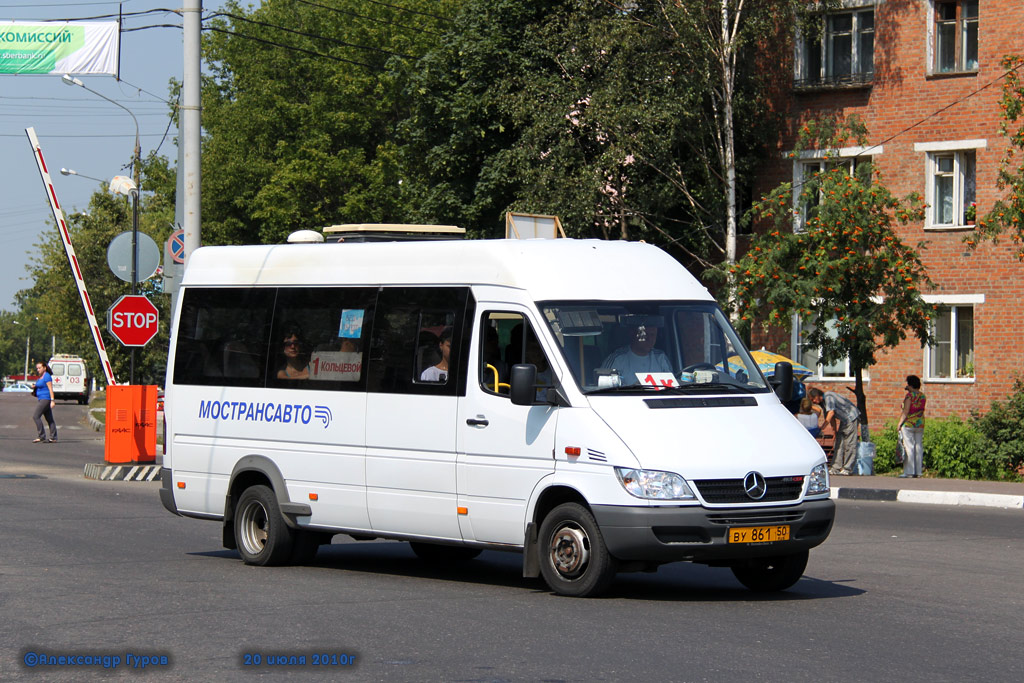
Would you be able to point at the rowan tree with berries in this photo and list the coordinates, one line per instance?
(845, 274)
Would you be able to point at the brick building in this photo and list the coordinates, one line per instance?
(925, 77)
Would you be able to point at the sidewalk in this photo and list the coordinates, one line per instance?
(998, 494)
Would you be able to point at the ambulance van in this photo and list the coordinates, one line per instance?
(584, 403)
(70, 378)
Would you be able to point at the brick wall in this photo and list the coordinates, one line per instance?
(905, 106)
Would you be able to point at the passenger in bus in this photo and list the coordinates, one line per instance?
(295, 353)
(439, 372)
(639, 356)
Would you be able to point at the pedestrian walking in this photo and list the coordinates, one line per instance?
(911, 427)
(44, 404)
(840, 407)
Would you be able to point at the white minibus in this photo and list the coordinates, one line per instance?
(70, 377)
(582, 402)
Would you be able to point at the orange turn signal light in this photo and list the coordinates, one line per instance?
(181, 484)
(314, 496)
(572, 450)
(462, 510)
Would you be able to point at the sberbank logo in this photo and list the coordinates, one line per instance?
(265, 411)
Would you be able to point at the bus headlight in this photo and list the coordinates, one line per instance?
(654, 484)
(818, 481)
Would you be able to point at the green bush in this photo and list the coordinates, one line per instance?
(885, 449)
(1001, 432)
(952, 449)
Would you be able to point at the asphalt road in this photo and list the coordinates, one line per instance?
(94, 569)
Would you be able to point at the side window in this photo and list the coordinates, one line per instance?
(508, 339)
(319, 335)
(418, 344)
(222, 336)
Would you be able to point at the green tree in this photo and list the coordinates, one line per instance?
(848, 275)
(54, 298)
(1007, 215)
(605, 115)
(300, 112)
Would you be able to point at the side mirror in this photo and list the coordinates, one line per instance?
(523, 380)
(782, 382)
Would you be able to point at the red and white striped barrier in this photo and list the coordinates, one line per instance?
(69, 249)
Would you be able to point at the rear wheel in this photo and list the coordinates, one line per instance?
(574, 559)
(263, 537)
(770, 574)
(443, 554)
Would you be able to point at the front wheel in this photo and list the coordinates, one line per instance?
(574, 559)
(263, 537)
(770, 574)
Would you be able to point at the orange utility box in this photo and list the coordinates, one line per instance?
(131, 423)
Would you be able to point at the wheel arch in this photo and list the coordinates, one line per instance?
(547, 500)
(255, 470)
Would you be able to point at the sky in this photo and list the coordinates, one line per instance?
(78, 130)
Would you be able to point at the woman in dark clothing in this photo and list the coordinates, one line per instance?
(44, 403)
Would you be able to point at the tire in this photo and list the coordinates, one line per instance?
(771, 574)
(443, 554)
(574, 559)
(263, 537)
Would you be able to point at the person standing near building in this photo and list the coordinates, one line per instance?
(44, 404)
(911, 428)
(840, 407)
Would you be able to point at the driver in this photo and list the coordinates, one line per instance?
(640, 356)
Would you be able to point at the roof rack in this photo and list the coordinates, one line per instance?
(391, 232)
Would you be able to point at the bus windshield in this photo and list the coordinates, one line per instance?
(626, 346)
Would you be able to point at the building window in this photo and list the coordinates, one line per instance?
(810, 356)
(952, 354)
(955, 34)
(807, 182)
(843, 53)
(951, 187)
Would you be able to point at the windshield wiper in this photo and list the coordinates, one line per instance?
(698, 387)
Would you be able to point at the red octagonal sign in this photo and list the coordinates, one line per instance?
(133, 320)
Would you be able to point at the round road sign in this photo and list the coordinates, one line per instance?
(133, 320)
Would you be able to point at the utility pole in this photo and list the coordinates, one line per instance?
(190, 123)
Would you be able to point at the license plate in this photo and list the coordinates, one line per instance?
(759, 534)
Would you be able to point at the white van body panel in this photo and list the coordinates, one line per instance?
(709, 442)
(463, 464)
(318, 440)
(541, 269)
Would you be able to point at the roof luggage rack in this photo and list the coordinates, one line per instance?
(391, 232)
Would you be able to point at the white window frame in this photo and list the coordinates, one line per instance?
(802, 168)
(859, 72)
(963, 187)
(963, 27)
(955, 303)
(797, 344)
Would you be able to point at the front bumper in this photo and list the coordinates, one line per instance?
(671, 534)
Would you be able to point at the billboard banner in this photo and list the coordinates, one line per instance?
(59, 47)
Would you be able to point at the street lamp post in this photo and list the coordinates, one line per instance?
(124, 185)
(118, 185)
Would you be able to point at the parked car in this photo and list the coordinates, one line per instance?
(20, 386)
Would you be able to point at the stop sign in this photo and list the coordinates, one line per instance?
(133, 320)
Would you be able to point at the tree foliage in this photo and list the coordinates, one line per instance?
(605, 115)
(1007, 215)
(54, 301)
(300, 113)
(848, 276)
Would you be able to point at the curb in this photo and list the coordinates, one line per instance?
(992, 500)
(96, 425)
(122, 472)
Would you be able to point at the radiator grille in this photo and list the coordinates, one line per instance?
(731, 490)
